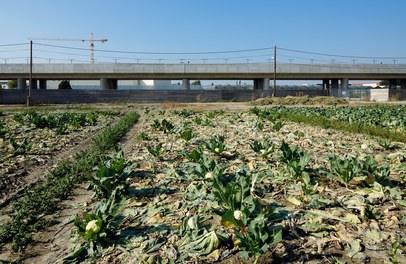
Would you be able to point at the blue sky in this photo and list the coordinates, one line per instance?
(373, 28)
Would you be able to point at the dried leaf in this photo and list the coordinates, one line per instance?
(155, 219)
(214, 256)
(355, 247)
(294, 201)
(352, 218)
(325, 215)
(376, 236)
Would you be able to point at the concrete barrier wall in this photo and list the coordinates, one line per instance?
(106, 96)
(379, 95)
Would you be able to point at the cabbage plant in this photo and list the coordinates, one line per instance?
(186, 134)
(98, 229)
(111, 175)
(216, 144)
(295, 159)
(20, 148)
(264, 147)
(345, 168)
(196, 238)
(241, 210)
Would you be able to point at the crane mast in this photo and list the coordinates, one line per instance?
(91, 41)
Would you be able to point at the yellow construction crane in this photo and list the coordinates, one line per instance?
(91, 41)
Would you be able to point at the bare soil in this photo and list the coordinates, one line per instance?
(52, 244)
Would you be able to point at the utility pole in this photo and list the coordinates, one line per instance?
(29, 89)
(274, 73)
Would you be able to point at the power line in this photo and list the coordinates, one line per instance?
(62, 53)
(224, 52)
(143, 53)
(161, 53)
(58, 59)
(301, 58)
(12, 45)
(14, 50)
(13, 58)
(247, 56)
(341, 56)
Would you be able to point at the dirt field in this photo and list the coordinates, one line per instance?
(321, 220)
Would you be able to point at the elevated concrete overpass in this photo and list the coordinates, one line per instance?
(332, 75)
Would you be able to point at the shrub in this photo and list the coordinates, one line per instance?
(64, 85)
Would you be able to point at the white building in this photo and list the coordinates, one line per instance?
(367, 84)
(3, 85)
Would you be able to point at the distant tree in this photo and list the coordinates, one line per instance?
(197, 82)
(12, 84)
(64, 85)
(385, 83)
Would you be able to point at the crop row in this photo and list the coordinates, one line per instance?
(384, 122)
(393, 117)
(201, 186)
(60, 120)
(31, 138)
(28, 213)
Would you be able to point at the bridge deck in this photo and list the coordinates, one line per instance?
(124, 71)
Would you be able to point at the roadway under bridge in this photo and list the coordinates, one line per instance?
(332, 75)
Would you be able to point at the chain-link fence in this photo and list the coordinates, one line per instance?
(352, 94)
(364, 94)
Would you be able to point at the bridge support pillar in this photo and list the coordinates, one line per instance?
(334, 83)
(257, 84)
(114, 84)
(344, 83)
(326, 84)
(21, 83)
(186, 84)
(392, 84)
(34, 84)
(266, 84)
(403, 84)
(42, 84)
(108, 84)
(261, 84)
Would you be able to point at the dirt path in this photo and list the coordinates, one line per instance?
(127, 144)
(53, 244)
